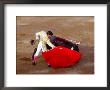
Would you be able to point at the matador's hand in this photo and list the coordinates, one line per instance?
(32, 42)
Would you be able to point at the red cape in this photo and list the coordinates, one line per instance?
(61, 57)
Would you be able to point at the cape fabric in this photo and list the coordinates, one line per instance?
(61, 57)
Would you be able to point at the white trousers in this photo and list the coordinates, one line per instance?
(42, 47)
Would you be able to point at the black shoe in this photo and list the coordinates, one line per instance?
(34, 63)
(49, 65)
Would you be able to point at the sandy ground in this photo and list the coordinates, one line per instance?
(73, 28)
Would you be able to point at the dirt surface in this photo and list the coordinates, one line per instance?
(73, 28)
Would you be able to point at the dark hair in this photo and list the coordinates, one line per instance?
(49, 33)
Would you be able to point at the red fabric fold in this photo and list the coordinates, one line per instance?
(61, 57)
